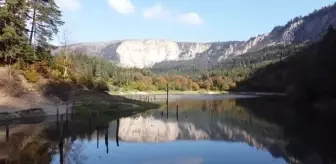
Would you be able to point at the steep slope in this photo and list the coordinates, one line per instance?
(165, 53)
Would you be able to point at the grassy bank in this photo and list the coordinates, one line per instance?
(106, 105)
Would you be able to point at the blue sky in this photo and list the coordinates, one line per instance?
(180, 20)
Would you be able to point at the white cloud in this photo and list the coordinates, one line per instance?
(69, 4)
(159, 12)
(122, 6)
(192, 18)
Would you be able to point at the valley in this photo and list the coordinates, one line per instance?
(184, 98)
(268, 62)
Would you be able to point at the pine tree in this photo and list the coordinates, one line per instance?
(46, 20)
(13, 41)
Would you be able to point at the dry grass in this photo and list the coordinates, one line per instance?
(10, 85)
(16, 94)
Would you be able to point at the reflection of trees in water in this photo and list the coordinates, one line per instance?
(68, 151)
(72, 152)
(39, 143)
(204, 105)
(25, 146)
(310, 137)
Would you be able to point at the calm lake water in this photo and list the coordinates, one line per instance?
(231, 129)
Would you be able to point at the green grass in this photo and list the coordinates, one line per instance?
(126, 106)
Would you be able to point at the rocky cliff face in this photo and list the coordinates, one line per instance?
(165, 53)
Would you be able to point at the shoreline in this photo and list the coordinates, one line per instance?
(36, 104)
(149, 93)
(136, 93)
(14, 106)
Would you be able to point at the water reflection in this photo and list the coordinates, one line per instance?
(217, 129)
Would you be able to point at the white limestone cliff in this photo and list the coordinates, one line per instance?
(145, 53)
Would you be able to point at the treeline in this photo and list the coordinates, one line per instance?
(270, 54)
(98, 70)
(237, 68)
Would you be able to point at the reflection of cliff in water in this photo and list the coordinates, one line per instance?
(219, 120)
(208, 120)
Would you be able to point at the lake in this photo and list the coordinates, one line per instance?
(191, 130)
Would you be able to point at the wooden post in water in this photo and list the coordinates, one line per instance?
(117, 133)
(61, 141)
(250, 118)
(7, 132)
(57, 114)
(72, 108)
(57, 118)
(66, 112)
(60, 147)
(177, 112)
(97, 129)
(167, 99)
(106, 139)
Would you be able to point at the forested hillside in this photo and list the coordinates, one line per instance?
(309, 75)
(305, 68)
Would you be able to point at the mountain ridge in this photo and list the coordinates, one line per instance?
(160, 52)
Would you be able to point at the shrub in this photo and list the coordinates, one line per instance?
(101, 85)
(142, 86)
(195, 86)
(42, 68)
(19, 65)
(10, 83)
(206, 84)
(31, 75)
(56, 75)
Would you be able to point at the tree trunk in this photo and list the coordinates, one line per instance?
(33, 23)
(65, 66)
